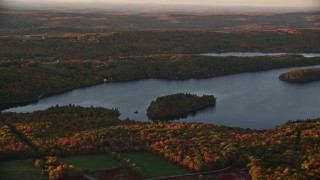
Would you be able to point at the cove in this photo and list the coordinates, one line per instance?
(256, 100)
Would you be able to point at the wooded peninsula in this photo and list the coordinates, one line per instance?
(301, 75)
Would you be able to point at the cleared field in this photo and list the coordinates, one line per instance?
(18, 169)
(153, 166)
(92, 162)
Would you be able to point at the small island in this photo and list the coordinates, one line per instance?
(301, 75)
(178, 105)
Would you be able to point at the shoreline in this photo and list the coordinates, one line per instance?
(7, 106)
(181, 115)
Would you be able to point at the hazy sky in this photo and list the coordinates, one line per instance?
(286, 3)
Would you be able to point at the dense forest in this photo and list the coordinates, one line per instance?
(175, 105)
(100, 46)
(22, 81)
(15, 21)
(287, 151)
(301, 75)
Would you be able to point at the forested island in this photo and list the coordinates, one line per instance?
(301, 75)
(172, 106)
(286, 151)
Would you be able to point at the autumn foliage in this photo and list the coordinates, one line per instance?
(12, 146)
(287, 151)
(52, 169)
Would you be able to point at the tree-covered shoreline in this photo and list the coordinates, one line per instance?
(23, 81)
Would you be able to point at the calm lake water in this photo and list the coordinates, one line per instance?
(250, 100)
(252, 54)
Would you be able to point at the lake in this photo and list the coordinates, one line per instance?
(256, 100)
(253, 54)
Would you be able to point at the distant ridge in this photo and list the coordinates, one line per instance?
(147, 8)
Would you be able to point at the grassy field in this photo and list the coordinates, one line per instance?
(91, 162)
(18, 169)
(153, 166)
